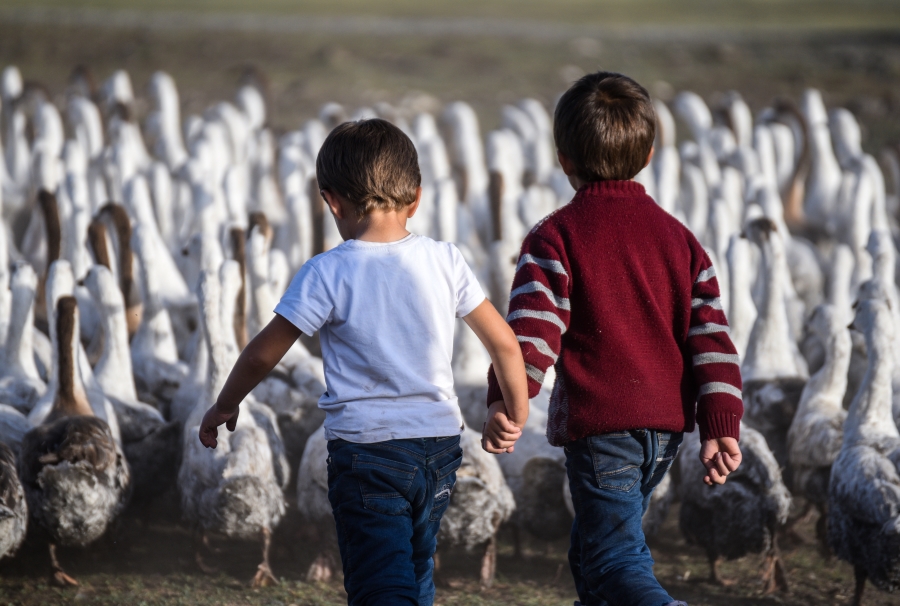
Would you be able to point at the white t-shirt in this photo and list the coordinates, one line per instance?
(386, 314)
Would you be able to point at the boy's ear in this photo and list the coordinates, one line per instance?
(412, 208)
(333, 203)
(567, 165)
(649, 156)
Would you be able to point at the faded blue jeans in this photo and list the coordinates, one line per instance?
(611, 477)
(388, 499)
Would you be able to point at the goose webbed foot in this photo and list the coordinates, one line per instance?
(264, 576)
(714, 577)
(489, 563)
(321, 570)
(774, 576)
(58, 575)
(860, 586)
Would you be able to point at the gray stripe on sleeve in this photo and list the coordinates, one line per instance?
(707, 329)
(714, 303)
(717, 387)
(548, 264)
(535, 286)
(534, 373)
(706, 274)
(716, 358)
(540, 345)
(548, 316)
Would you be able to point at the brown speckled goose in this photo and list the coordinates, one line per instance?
(75, 476)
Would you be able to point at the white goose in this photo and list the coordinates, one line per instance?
(154, 353)
(20, 385)
(150, 444)
(61, 283)
(864, 494)
(232, 489)
(75, 476)
(816, 433)
(773, 369)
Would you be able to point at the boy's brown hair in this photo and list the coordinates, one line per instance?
(370, 163)
(605, 125)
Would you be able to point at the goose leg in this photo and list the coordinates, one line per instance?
(201, 541)
(321, 570)
(822, 532)
(714, 576)
(436, 558)
(861, 575)
(774, 575)
(58, 576)
(264, 576)
(489, 563)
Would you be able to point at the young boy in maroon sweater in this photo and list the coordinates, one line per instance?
(623, 301)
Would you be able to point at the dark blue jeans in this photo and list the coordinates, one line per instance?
(611, 477)
(388, 499)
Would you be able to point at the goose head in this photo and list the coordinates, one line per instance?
(761, 231)
(827, 323)
(251, 102)
(11, 85)
(847, 137)
(332, 114)
(691, 108)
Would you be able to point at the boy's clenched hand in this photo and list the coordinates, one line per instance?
(499, 433)
(720, 456)
(211, 421)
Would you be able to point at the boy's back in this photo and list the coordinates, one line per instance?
(385, 312)
(623, 272)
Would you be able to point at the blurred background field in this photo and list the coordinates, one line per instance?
(487, 53)
(426, 54)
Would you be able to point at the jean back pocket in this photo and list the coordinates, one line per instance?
(445, 481)
(617, 459)
(383, 483)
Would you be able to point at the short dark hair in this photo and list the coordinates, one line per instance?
(605, 124)
(371, 164)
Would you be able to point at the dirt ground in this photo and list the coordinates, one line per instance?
(149, 560)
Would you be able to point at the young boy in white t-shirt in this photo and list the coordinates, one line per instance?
(385, 302)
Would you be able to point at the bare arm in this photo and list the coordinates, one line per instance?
(255, 362)
(507, 417)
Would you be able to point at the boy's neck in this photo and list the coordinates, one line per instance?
(379, 226)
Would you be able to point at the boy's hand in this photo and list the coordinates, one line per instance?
(720, 456)
(211, 421)
(499, 434)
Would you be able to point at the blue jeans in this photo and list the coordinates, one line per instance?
(611, 477)
(388, 499)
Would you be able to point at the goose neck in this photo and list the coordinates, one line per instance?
(830, 382)
(71, 398)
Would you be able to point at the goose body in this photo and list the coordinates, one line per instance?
(480, 503)
(13, 507)
(740, 516)
(75, 475)
(20, 384)
(816, 432)
(773, 369)
(864, 493)
(232, 489)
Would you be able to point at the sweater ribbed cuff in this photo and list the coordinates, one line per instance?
(720, 425)
(493, 392)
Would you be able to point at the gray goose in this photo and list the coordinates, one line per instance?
(75, 476)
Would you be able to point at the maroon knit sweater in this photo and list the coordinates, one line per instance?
(623, 300)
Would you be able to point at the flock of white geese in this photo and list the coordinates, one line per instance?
(137, 259)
